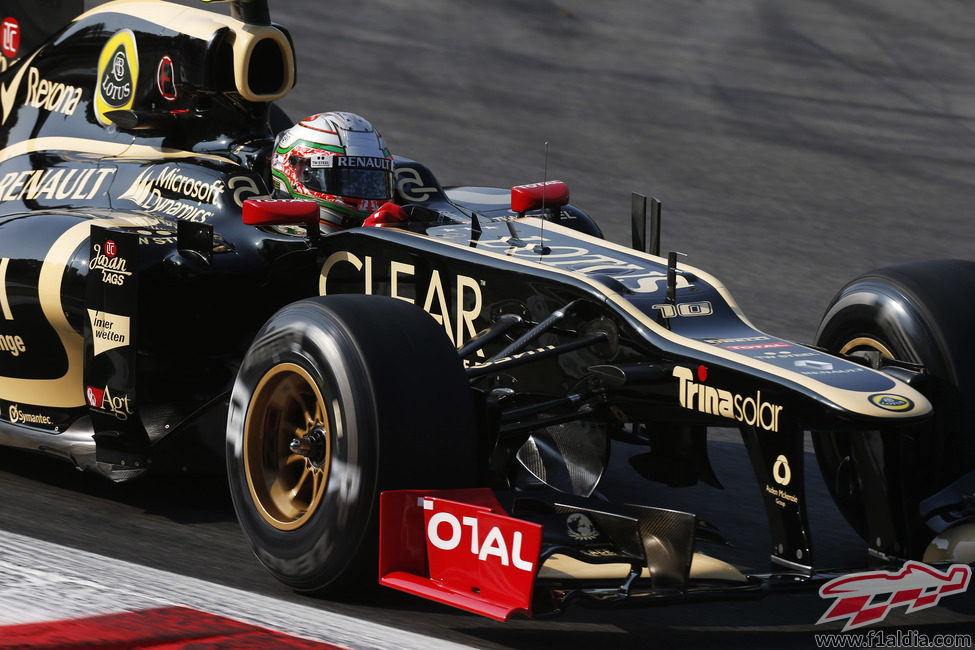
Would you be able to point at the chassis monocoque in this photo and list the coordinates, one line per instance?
(472, 364)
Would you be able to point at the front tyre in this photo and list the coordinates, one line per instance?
(338, 399)
(920, 313)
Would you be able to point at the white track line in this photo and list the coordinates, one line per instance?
(40, 581)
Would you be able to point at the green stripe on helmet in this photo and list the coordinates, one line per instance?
(311, 145)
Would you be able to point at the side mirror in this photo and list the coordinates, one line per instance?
(282, 212)
(551, 194)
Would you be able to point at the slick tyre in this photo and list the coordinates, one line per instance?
(920, 313)
(337, 399)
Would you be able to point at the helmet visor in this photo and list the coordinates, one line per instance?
(357, 177)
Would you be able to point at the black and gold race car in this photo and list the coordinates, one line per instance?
(439, 393)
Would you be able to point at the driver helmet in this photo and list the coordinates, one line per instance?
(337, 159)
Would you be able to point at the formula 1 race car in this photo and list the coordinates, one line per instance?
(437, 391)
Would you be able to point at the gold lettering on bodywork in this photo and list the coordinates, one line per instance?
(8, 94)
(4, 301)
(467, 298)
(14, 181)
(465, 317)
(336, 258)
(395, 270)
(55, 183)
(435, 290)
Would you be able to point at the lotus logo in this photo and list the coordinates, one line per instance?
(118, 65)
(118, 72)
(890, 402)
(116, 86)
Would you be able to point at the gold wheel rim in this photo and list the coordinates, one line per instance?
(870, 343)
(285, 486)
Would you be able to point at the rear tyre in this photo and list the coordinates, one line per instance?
(920, 313)
(338, 399)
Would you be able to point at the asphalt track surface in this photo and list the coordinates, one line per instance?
(794, 145)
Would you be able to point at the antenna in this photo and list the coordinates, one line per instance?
(672, 276)
(541, 248)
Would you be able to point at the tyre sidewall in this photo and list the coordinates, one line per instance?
(400, 415)
(337, 528)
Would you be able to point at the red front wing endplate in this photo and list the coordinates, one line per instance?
(459, 548)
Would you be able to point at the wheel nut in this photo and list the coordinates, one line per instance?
(312, 445)
(300, 446)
